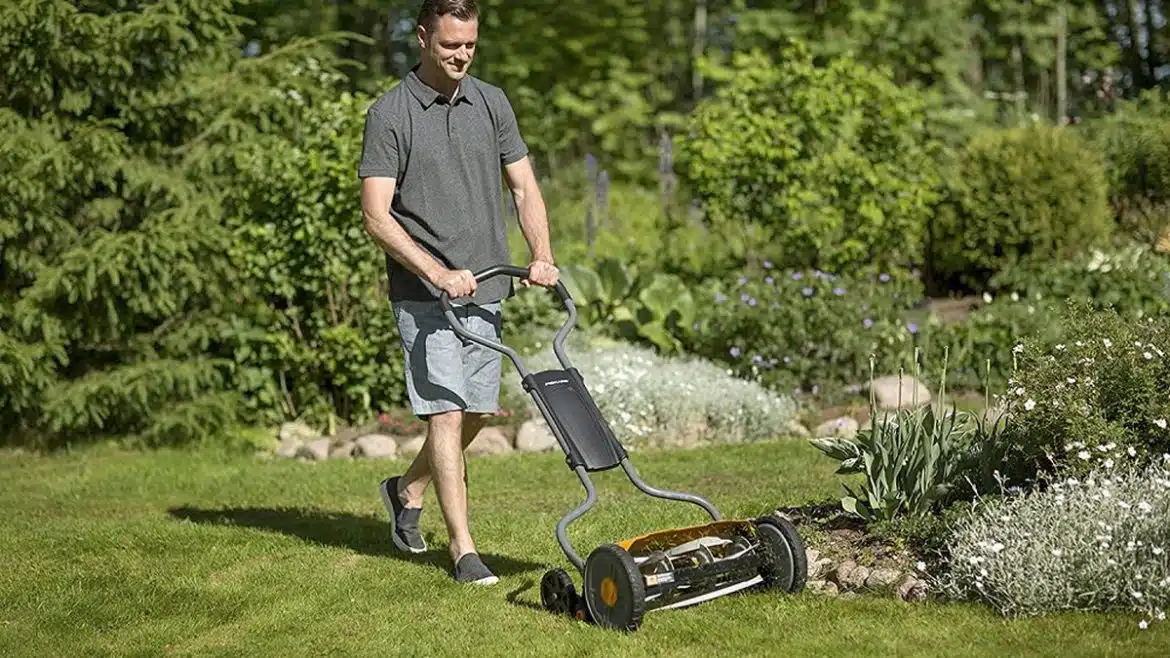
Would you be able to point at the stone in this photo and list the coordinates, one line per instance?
(490, 441)
(892, 394)
(410, 448)
(855, 580)
(824, 587)
(811, 555)
(844, 427)
(882, 578)
(911, 589)
(841, 574)
(298, 430)
(343, 450)
(317, 450)
(823, 566)
(376, 446)
(289, 447)
(535, 436)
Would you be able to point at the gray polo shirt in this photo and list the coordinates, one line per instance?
(447, 158)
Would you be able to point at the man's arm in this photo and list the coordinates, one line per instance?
(394, 240)
(530, 204)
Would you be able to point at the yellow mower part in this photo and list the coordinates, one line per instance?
(665, 539)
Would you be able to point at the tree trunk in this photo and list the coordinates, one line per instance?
(1061, 54)
(698, 49)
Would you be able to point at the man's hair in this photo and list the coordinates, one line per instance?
(432, 10)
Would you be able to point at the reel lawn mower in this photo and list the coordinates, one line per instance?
(666, 569)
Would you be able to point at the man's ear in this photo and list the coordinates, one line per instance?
(421, 33)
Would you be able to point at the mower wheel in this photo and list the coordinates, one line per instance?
(557, 593)
(614, 592)
(786, 566)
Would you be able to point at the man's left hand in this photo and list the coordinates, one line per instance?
(542, 273)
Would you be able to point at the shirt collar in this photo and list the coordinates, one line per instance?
(428, 95)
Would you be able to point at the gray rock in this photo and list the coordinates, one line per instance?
(856, 579)
(822, 567)
(376, 446)
(298, 430)
(825, 587)
(489, 441)
(892, 394)
(911, 589)
(343, 450)
(535, 436)
(289, 447)
(843, 571)
(410, 448)
(811, 555)
(882, 578)
(844, 427)
(317, 450)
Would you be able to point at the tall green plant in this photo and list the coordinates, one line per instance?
(118, 294)
(916, 461)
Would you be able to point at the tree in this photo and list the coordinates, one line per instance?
(117, 290)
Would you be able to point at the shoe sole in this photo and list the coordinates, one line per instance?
(490, 580)
(384, 490)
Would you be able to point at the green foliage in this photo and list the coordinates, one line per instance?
(916, 462)
(328, 343)
(811, 166)
(979, 346)
(118, 293)
(806, 330)
(1129, 277)
(1029, 193)
(1098, 397)
(634, 304)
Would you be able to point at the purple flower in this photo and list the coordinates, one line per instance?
(744, 297)
(807, 292)
(883, 277)
(735, 352)
(787, 359)
(867, 323)
(768, 280)
(838, 291)
(767, 264)
(742, 280)
(720, 297)
(797, 276)
(913, 327)
(752, 302)
(756, 358)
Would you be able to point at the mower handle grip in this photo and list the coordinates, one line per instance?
(519, 273)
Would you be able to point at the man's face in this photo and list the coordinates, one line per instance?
(450, 45)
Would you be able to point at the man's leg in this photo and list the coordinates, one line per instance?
(416, 479)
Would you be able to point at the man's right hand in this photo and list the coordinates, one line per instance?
(457, 283)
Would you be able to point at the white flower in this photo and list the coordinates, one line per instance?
(1060, 347)
(1057, 552)
(1147, 355)
(1108, 343)
(1084, 454)
(1161, 422)
(1143, 624)
(1131, 451)
(1030, 404)
(921, 566)
(1018, 348)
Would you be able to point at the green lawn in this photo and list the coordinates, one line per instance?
(173, 553)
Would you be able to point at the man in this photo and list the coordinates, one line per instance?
(435, 149)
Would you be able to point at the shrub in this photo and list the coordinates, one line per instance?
(812, 166)
(1129, 277)
(328, 344)
(1095, 399)
(649, 399)
(979, 346)
(1029, 193)
(1095, 545)
(916, 461)
(806, 330)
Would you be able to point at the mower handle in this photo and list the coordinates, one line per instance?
(519, 273)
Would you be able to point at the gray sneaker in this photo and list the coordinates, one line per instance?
(471, 569)
(403, 521)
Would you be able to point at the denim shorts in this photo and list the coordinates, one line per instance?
(444, 371)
